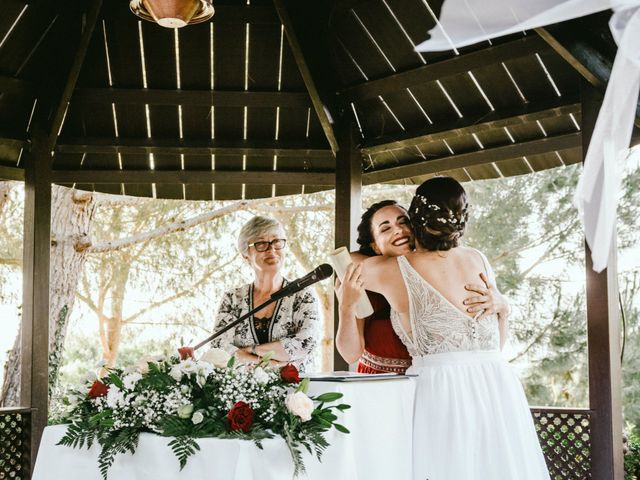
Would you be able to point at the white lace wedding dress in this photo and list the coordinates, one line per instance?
(471, 418)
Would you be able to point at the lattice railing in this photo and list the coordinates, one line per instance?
(565, 437)
(15, 444)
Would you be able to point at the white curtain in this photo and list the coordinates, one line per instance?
(465, 22)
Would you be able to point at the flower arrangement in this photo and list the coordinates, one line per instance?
(186, 399)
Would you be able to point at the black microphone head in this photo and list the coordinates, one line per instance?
(324, 271)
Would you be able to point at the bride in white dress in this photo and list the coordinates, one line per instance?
(471, 417)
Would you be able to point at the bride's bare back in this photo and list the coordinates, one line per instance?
(448, 272)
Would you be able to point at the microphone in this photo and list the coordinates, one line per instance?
(317, 274)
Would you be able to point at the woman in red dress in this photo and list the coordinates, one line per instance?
(385, 229)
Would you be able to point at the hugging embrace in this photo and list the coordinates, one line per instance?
(471, 419)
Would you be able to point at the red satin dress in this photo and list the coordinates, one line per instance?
(383, 350)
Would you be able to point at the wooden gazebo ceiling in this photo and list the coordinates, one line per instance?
(245, 107)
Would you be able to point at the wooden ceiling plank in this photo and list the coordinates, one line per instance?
(216, 98)
(471, 124)
(16, 86)
(534, 147)
(90, 21)
(460, 64)
(309, 81)
(193, 177)
(192, 147)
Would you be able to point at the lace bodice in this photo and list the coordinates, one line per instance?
(437, 326)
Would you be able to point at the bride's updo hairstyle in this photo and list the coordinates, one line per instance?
(438, 213)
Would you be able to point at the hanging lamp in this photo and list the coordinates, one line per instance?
(173, 13)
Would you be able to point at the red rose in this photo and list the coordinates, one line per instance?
(185, 352)
(289, 374)
(98, 389)
(240, 417)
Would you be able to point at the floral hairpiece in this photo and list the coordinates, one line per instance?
(448, 215)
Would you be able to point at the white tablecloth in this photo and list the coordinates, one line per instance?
(378, 447)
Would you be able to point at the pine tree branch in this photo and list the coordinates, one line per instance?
(177, 295)
(11, 262)
(179, 226)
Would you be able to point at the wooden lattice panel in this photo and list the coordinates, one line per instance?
(565, 437)
(14, 445)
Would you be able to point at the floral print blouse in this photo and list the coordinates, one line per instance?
(295, 323)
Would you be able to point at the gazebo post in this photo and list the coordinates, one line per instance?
(603, 337)
(348, 205)
(35, 304)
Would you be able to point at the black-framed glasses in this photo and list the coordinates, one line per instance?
(263, 246)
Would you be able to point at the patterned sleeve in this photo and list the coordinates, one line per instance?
(226, 313)
(300, 344)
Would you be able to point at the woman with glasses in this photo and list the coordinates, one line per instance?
(289, 327)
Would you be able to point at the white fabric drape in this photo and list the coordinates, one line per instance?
(465, 22)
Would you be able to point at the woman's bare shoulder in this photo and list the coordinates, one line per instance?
(358, 257)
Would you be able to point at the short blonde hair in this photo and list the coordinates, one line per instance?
(257, 227)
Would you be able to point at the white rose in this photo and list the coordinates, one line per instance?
(185, 411)
(91, 376)
(197, 417)
(130, 380)
(216, 357)
(176, 373)
(260, 375)
(300, 405)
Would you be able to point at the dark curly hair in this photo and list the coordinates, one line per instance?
(438, 213)
(365, 235)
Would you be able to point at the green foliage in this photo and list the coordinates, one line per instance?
(183, 447)
(632, 458)
(189, 399)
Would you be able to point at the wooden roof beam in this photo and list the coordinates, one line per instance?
(471, 124)
(194, 177)
(463, 160)
(453, 66)
(132, 96)
(11, 173)
(89, 22)
(193, 147)
(16, 86)
(319, 103)
(574, 43)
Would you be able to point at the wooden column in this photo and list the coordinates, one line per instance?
(348, 206)
(603, 337)
(35, 303)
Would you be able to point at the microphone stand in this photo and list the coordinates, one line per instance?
(229, 326)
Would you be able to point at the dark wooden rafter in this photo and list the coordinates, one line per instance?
(470, 124)
(193, 147)
(132, 96)
(320, 104)
(574, 42)
(241, 14)
(13, 142)
(16, 86)
(11, 173)
(193, 177)
(453, 66)
(89, 22)
(488, 155)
